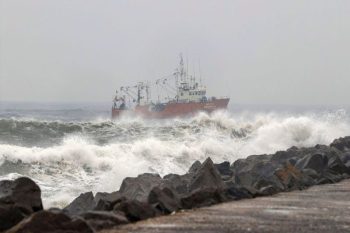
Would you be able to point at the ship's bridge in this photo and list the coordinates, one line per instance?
(197, 94)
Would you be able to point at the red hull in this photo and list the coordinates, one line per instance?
(175, 109)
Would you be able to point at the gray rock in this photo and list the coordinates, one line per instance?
(22, 191)
(203, 197)
(106, 201)
(194, 167)
(100, 220)
(336, 165)
(224, 169)
(317, 162)
(18, 199)
(258, 173)
(235, 192)
(11, 214)
(268, 190)
(292, 178)
(207, 176)
(46, 221)
(164, 200)
(135, 210)
(177, 183)
(139, 188)
(83, 203)
(342, 144)
(345, 158)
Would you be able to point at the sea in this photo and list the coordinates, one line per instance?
(71, 148)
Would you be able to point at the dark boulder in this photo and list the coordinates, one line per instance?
(83, 203)
(47, 221)
(329, 177)
(345, 158)
(135, 210)
(106, 201)
(203, 197)
(18, 199)
(194, 167)
(342, 144)
(268, 185)
(22, 191)
(337, 166)
(164, 200)
(257, 173)
(177, 183)
(11, 214)
(139, 188)
(268, 190)
(317, 162)
(261, 164)
(207, 176)
(224, 170)
(235, 192)
(292, 178)
(284, 156)
(100, 220)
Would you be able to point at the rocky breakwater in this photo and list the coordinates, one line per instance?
(150, 195)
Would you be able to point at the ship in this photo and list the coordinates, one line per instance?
(178, 95)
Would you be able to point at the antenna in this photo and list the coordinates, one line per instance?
(186, 67)
(200, 73)
(194, 74)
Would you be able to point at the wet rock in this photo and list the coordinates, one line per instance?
(329, 177)
(23, 192)
(46, 221)
(268, 190)
(11, 214)
(224, 169)
(284, 156)
(139, 188)
(257, 173)
(177, 183)
(342, 144)
(106, 201)
(292, 178)
(135, 210)
(100, 220)
(345, 158)
(207, 176)
(18, 199)
(164, 200)
(203, 197)
(336, 165)
(272, 184)
(194, 167)
(235, 192)
(312, 174)
(83, 203)
(317, 162)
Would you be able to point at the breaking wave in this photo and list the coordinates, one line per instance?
(67, 158)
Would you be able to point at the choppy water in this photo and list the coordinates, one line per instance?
(69, 149)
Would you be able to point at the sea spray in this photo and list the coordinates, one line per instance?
(70, 157)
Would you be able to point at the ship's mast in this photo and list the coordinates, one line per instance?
(182, 70)
(139, 94)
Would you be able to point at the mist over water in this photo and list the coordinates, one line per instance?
(69, 150)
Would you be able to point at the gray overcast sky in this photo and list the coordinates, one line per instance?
(273, 51)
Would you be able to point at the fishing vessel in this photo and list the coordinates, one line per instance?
(178, 95)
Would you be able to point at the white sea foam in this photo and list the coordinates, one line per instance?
(79, 163)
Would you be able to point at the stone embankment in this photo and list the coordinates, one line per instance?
(150, 195)
(321, 209)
